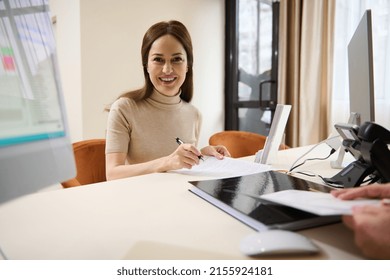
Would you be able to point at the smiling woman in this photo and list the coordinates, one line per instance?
(167, 65)
(143, 124)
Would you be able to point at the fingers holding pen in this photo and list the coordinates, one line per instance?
(191, 152)
(185, 156)
(190, 148)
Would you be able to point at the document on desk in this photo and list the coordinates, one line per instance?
(318, 203)
(227, 167)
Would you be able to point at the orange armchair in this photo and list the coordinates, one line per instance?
(240, 143)
(90, 163)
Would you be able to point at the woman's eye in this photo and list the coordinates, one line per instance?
(158, 59)
(177, 59)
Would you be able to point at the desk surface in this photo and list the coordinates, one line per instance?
(145, 217)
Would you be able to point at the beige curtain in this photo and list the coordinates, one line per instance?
(305, 68)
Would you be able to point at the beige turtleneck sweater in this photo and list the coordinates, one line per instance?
(147, 129)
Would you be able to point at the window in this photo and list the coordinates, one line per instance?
(251, 63)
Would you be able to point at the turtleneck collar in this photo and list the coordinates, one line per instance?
(161, 100)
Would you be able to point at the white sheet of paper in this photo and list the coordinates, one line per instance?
(317, 202)
(227, 167)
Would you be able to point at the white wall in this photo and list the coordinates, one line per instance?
(103, 58)
(67, 32)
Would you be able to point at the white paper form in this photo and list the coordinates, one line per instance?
(227, 167)
(317, 202)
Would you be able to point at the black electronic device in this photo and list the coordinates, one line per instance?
(241, 198)
(369, 145)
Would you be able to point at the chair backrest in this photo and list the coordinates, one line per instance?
(239, 143)
(90, 163)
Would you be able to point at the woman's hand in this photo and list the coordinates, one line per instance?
(185, 156)
(216, 151)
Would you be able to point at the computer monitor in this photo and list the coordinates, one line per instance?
(35, 148)
(361, 72)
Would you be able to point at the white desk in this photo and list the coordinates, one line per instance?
(144, 217)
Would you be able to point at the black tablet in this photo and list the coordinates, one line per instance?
(241, 198)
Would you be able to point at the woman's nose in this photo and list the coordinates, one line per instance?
(167, 69)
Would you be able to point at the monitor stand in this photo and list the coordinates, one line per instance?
(354, 118)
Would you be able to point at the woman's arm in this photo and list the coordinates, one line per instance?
(185, 156)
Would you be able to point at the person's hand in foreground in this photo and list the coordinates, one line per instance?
(370, 224)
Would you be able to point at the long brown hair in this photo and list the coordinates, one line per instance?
(180, 32)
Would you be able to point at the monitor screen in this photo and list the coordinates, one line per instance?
(35, 148)
(361, 71)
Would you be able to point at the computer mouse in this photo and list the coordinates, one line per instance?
(277, 242)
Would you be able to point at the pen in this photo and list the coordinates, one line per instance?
(178, 141)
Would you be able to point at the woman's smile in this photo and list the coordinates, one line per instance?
(168, 79)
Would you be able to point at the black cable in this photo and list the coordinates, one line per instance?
(331, 153)
(322, 178)
(370, 180)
